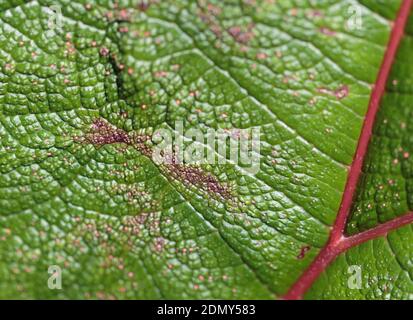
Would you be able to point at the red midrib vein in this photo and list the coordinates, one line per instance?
(338, 242)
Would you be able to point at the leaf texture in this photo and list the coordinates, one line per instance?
(78, 106)
(384, 196)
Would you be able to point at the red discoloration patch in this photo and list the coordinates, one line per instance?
(303, 252)
(123, 15)
(144, 5)
(208, 14)
(104, 52)
(340, 93)
(101, 133)
(134, 225)
(294, 12)
(119, 14)
(213, 9)
(159, 244)
(328, 32)
(261, 56)
(160, 74)
(197, 177)
(315, 14)
(241, 36)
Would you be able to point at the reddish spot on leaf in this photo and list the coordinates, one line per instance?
(102, 133)
(104, 51)
(240, 35)
(190, 174)
(340, 93)
(303, 252)
(328, 32)
(315, 14)
(143, 5)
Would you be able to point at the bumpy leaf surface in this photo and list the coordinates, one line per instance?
(80, 98)
(379, 269)
(385, 192)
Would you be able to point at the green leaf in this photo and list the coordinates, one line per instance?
(385, 190)
(79, 104)
(379, 269)
(384, 195)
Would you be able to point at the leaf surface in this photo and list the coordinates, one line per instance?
(78, 191)
(379, 269)
(385, 190)
(384, 197)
